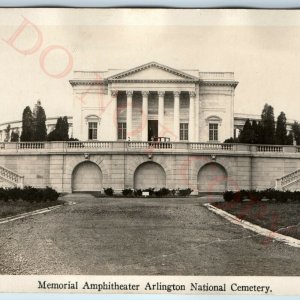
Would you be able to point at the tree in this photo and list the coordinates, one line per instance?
(247, 134)
(52, 136)
(40, 129)
(15, 136)
(268, 124)
(296, 132)
(61, 131)
(65, 129)
(281, 132)
(7, 133)
(27, 125)
(257, 132)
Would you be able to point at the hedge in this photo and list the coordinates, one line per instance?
(253, 195)
(162, 192)
(29, 194)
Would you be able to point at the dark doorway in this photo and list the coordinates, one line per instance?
(152, 129)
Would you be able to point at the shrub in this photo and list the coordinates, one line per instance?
(163, 192)
(109, 192)
(255, 196)
(184, 192)
(127, 192)
(14, 194)
(237, 197)
(52, 194)
(244, 195)
(228, 196)
(296, 196)
(3, 194)
(271, 194)
(138, 193)
(293, 196)
(282, 197)
(29, 194)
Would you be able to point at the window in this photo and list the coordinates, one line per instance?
(184, 131)
(121, 131)
(93, 130)
(213, 132)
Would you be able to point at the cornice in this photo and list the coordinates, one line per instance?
(76, 82)
(219, 83)
(152, 81)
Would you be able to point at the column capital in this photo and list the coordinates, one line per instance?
(129, 93)
(161, 93)
(114, 93)
(176, 94)
(192, 94)
(145, 93)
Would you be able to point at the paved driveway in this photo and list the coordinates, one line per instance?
(139, 236)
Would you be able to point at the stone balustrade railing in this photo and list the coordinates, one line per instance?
(149, 145)
(31, 145)
(212, 146)
(90, 145)
(216, 75)
(88, 75)
(98, 146)
(269, 148)
(12, 177)
(284, 181)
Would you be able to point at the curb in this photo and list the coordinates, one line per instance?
(255, 228)
(33, 213)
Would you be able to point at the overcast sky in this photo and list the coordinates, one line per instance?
(262, 48)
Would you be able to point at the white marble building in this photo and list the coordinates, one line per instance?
(191, 110)
(158, 105)
(153, 101)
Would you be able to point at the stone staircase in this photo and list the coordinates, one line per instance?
(290, 181)
(9, 178)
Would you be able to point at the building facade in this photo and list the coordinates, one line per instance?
(149, 102)
(153, 101)
(149, 127)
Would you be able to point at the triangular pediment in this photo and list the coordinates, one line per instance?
(153, 71)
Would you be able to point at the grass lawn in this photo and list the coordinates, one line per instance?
(11, 208)
(278, 217)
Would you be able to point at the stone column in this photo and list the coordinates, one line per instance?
(197, 121)
(176, 119)
(114, 104)
(129, 115)
(192, 117)
(161, 95)
(145, 116)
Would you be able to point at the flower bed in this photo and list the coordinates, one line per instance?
(256, 196)
(151, 192)
(29, 194)
(15, 201)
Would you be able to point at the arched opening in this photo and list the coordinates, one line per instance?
(212, 178)
(149, 175)
(86, 177)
